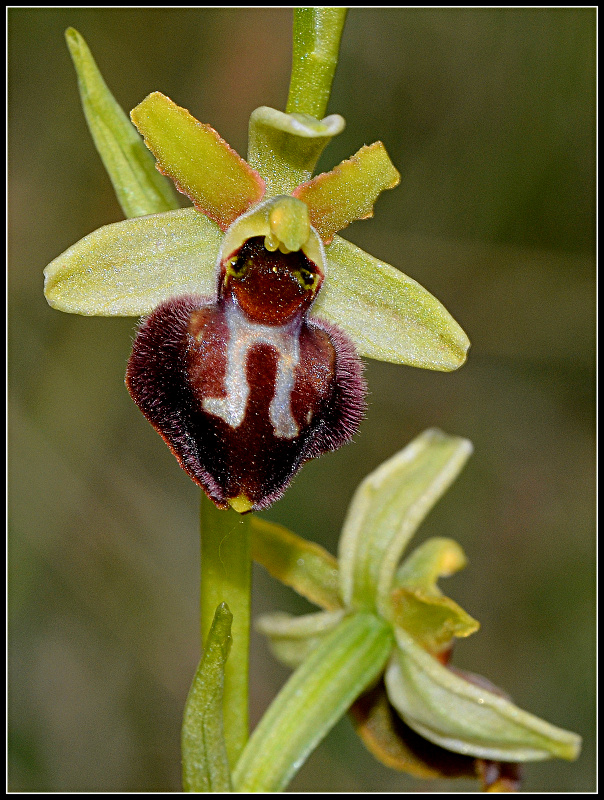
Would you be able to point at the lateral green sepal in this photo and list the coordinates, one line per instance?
(292, 638)
(127, 268)
(389, 316)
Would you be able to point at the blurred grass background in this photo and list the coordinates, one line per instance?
(489, 116)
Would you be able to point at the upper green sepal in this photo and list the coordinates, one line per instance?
(386, 510)
(284, 148)
(140, 189)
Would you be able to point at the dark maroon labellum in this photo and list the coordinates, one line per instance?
(247, 388)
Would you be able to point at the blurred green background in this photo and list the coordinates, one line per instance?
(489, 116)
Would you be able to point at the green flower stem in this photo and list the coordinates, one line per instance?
(317, 33)
(226, 577)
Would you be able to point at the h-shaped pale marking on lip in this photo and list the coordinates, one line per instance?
(243, 335)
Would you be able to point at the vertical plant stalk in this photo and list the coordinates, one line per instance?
(226, 577)
(317, 33)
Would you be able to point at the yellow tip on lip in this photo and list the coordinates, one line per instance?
(241, 503)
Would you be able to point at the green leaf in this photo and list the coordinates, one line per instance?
(139, 187)
(464, 717)
(305, 566)
(204, 757)
(312, 701)
(389, 316)
(386, 510)
(202, 165)
(348, 192)
(126, 269)
(291, 638)
(284, 148)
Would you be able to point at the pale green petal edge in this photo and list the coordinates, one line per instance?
(291, 638)
(126, 269)
(463, 717)
(389, 316)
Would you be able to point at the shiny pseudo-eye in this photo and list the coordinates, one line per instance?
(246, 388)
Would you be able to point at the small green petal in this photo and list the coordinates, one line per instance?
(389, 316)
(433, 559)
(386, 510)
(432, 620)
(452, 712)
(419, 607)
(126, 269)
(291, 638)
(285, 148)
(318, 693)
(140, 189)
(205, 763)
(305, 566)
(202, 165)
(348, 192)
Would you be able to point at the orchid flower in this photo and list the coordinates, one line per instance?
(255, 310)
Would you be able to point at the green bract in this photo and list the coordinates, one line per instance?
(128, 268)
(454, 710)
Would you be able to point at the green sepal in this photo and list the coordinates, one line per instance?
(348, 192)
(284, 148)
(305, 566)
(202, 165)
(126, 269)
(140, 189)
(292, 638)
(205, 765)
(386, 510)
(389, 316)
(314, 698)
(464, 717)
